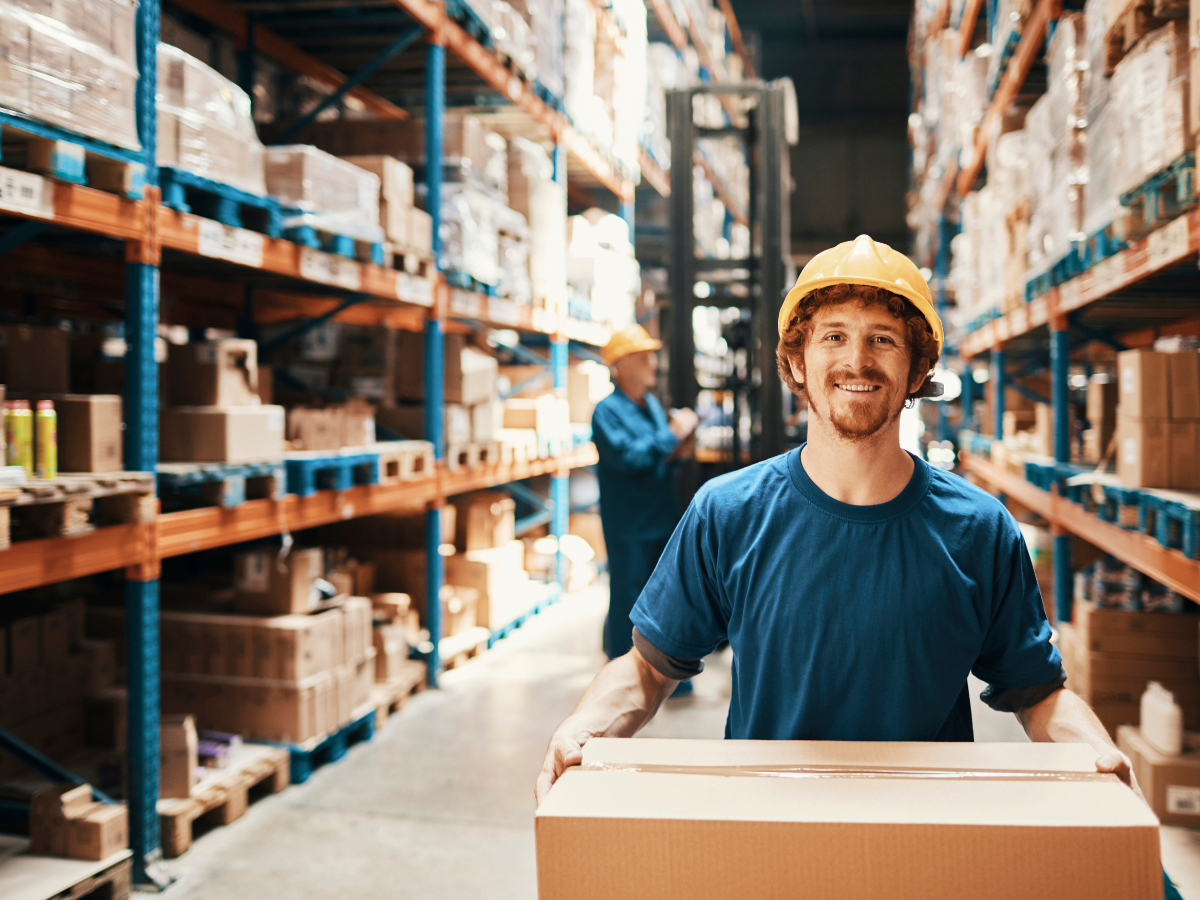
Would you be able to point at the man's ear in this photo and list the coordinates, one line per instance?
(797, 372)
(919, 376)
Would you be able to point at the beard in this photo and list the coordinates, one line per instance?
(858, 419)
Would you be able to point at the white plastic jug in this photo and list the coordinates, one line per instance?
(1162, 719)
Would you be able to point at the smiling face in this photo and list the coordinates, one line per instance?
(857, 368)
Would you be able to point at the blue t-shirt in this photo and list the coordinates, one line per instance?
(639, 500)
(853, 623)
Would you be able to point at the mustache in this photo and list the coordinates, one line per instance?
(870, 374)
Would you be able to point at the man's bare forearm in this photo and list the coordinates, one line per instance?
(621, 699)
(1063, 717)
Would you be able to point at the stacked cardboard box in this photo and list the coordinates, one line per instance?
(47, 669)
(1158, 419)
(215, 412)
(407, 228)
(1111, 654)
(1102, 417)
(324, 192)
(350, 424)
(1170, 784)
(64, 821)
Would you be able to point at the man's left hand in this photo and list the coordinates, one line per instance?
(1114, 762)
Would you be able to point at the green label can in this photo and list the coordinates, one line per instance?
(18, 434)
(46, 424)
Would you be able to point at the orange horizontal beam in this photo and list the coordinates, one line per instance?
(653, 174)
(464, 480)
(28, 564)
(720, 189)
(1142, 552)
(233, 22)
(966, 26)
(666, 18)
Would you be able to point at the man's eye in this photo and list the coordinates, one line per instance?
(885, 340)
(833, 337)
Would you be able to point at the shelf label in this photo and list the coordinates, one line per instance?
(1108, 274)
(1169, 244)
(1069, 295)
(465, 303)
(414, 290)
(330, 269)
(504, 311)
(237, 245)
(1039, 312)
(24, 192)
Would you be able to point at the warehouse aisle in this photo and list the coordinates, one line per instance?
(440, 804)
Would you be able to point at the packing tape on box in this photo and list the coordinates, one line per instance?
(888, 772)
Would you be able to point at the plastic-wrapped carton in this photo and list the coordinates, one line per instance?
(329, 193)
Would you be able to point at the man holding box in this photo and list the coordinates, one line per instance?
(639, 504)
(857, 585)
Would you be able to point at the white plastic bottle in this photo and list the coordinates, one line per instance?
(1162, 719)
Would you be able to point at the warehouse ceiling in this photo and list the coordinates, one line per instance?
(847, 59)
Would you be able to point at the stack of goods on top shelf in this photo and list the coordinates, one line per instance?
(1125, 631)
(205, 126)
(327, 202)
(214, 412)
(1158, 417)
(72, 65)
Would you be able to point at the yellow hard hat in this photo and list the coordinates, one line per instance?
(633, 338)
(868, 262)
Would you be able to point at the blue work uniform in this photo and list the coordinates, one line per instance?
(853, 623)
(639, 501)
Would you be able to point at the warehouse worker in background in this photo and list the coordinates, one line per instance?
(639, 502)
(857, 585)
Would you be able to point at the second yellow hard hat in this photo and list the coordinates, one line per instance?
(866, 262)
(633, 338)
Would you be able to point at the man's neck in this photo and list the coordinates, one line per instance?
(636, 393)
(859, 473)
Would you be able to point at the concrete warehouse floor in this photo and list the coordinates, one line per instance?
(440, 803)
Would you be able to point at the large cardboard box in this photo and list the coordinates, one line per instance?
(99, 833)
(221, 433)
(1102, 399)
(1184, 454)
(1144, 384)
(395, 177)
(469, 374)
(485, 519)
(500, 577)
(178, 755)
(35, 359)
(89, 432)
(49, 810)
(213, 373)
(1184, 372)
(269, 584)
(1143, 452)
(420, 231)
(350, 424)
(1171, 784)
(286, 711)
(664, 815)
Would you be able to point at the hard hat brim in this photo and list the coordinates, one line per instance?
(798, 293)
(638, 347)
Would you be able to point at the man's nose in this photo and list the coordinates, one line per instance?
(861, 355)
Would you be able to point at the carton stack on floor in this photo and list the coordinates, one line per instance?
(49, 674)
(65, 821)
(1158, 416)
(215, 413)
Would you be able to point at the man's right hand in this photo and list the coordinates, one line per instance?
(565, 750)
(683, 422)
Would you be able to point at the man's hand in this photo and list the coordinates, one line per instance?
(683, 422)
(565, 750)
(1114, 762)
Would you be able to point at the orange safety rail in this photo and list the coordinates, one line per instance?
(966, 26)
(28, 564)
(1144, 553)
(653, 174)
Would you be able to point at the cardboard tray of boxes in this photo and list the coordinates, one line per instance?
(756, 819)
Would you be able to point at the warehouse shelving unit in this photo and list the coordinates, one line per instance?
(1143, 291)
(288, 281)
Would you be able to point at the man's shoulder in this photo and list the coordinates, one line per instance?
(732, 490)
(956, 496)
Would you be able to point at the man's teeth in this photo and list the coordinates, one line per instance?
(859, 388)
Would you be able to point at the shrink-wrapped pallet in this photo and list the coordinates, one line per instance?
(327, 193)
(204, 123)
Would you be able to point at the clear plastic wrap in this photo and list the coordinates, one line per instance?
(545, 20)
(72, 65)
(664, 71)
(601, 268)
(470, 240)
(513, 37)
(204, 123)
(1150, 92)
(513, 267)
(543, 203)
(579, 62)
(329, 193)
(1097, 83)
(1102, 200)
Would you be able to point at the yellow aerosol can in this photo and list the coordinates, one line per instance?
(46, 424)
(18, 434)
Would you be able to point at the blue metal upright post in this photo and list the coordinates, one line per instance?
(560, 485)
(141, 454)
(967, 399)
(999, 383)
(1060, 365)
(435, 108)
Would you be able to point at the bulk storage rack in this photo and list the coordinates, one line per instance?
(282, 282)
(1147, 289)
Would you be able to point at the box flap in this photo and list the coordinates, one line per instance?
(1092, 802)
(1001, 757)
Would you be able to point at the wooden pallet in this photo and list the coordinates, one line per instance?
(25, 876)
(311, 470)
(49, 151)
(188, 192)
(457, 649)
(222, 484)
(404, 460)
(463, 456)
(74, 504)
(390, 696)
(1160, 199)
(225, 792)
(307, 757)
(316, 237)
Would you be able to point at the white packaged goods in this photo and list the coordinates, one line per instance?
(545, 17)
(329, 193)
(664, 71)
(579, 62)
(513, 239)
(1162, 719)
(204, 123)
(470, 240)
(1150, 92)
(543, 203)
(72, 66)
(601, 268)
(513, 37)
